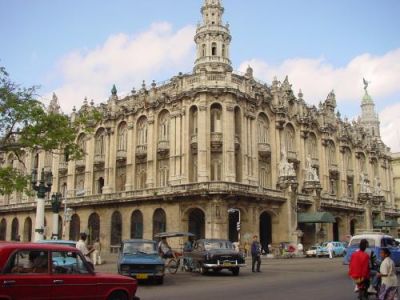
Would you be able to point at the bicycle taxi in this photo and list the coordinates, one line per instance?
(177, 258)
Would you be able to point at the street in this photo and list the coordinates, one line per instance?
(298, 279)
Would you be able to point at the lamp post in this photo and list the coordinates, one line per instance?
(233, 210)
(67, 218)
(42, 187)
(55, 207)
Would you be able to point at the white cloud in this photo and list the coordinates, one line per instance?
(124, 60)
(390, 126)
(317, 77)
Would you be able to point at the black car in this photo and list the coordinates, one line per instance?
(216, 255)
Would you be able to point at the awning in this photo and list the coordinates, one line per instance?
(386, 224)
(317, 217)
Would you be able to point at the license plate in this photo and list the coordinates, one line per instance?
(227, 264)
(142, 276)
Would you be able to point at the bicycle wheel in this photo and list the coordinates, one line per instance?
(173, 266)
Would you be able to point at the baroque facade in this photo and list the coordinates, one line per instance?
(177, 156)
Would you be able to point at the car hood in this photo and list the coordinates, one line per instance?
(141, 259)
(113, 278)
(223, 252)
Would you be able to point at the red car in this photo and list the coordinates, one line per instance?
(43, 271)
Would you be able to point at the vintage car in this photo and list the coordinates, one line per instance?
(58, 242)
(338, 249)
(216, 255)
(29, 271)
(140, 259)
(312, 251)
(376, 241)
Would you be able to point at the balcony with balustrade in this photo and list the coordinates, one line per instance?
(141, 151)
(264, 149)
(216, 141)
(163, 147)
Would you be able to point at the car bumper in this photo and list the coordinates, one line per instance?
(144, 276)
(224, 266)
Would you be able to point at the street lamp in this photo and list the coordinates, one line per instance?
(231, 211)
(67, 218)
(42, 187)
(55, 207)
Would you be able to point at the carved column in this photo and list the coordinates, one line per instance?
(107, 187)
(202, 142)
(130, 156)
(89, 166)
(229, 143)
(151, 152)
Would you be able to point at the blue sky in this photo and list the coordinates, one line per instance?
(322, 45)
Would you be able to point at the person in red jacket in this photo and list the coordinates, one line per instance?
(359, 269)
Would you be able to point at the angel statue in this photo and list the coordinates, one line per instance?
(366, 83)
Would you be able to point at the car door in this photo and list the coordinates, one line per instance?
(72, 277)
(27, 276)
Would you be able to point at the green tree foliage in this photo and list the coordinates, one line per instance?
(25, 125)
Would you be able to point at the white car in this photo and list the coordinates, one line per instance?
(312, 252)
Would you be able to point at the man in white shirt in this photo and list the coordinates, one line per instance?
(329, 247)
(81, 246)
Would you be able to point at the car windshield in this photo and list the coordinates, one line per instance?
(356, 242)
(139, 247)
(209, 245)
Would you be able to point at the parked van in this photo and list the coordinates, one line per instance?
(376, 241)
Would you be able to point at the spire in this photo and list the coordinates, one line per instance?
(212, 39)
(369, 118)
(54, 107)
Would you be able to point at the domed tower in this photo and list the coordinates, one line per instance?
(212, 40)
(369, 117)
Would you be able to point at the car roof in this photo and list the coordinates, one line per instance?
(35, 246)
(58, 242)
(377, 237)
(213, 240)
(138, 240)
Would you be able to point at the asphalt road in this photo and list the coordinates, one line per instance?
(298, 279)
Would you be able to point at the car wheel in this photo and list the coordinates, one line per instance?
(203, 270)
(235, 271)
(172, 266)
(118, 296)
(160, 280)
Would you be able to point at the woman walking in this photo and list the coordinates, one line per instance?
(387, 272)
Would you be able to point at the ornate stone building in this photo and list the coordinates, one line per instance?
(176, 156)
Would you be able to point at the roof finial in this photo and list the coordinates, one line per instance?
(366, 83)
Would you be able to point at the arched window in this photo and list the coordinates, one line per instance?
(94, 228)
(203, 50)
(28, 230)
(312, 148)
(216, 116)
(348, 160)
(82, 143)
(74, 227)
(262, 129)
(99, 148)
(163, 172)
(214, 49)
(331, 154)
(122, 137)
(163, 126)
(116, 228)
(137, 225)
(15, 230)
(142, 131)
(3, 229)
(362, 164)
(216, 170)
(290, 143)
(159, 221)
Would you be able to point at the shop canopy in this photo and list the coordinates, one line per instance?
(386, 224)
(317, 217)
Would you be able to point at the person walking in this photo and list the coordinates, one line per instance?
(96, 252)
(255, 254)
(387, 273)
(329, 247)
(359, 268)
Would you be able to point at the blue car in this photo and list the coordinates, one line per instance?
(376, 241)
(140, 259)
(338, 249)
(61, 260)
